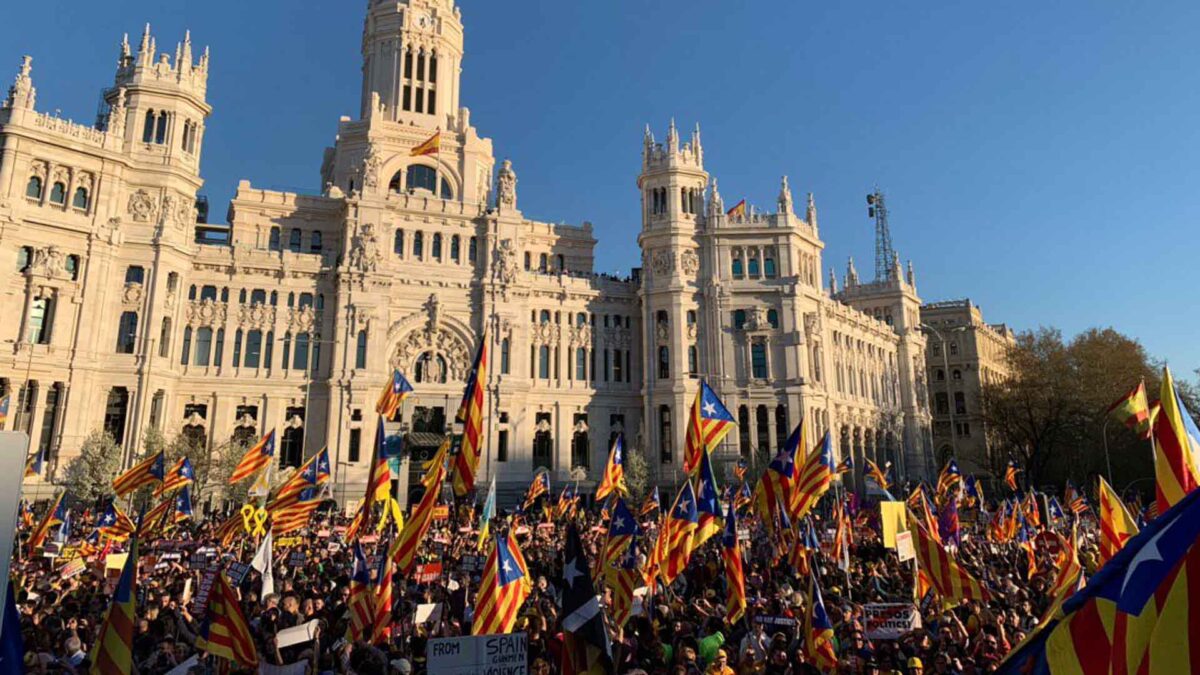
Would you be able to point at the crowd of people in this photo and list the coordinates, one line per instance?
(676, 630)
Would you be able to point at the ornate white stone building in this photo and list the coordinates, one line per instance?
(124, 314)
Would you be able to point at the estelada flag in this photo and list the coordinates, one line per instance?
(394, 392)
(149, 471)
(502, 590)
(430, 147)
(708, 424)
(614, 471)
(255, 459)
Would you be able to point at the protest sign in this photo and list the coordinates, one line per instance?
(237, 572)
(893, 519)
(441, 512)
(904, 546)
(482, 654)
(429, 573)
(890, 620)
(296, 559)
(295, 635)
(428, 613)
(776, 622)
(73, 568)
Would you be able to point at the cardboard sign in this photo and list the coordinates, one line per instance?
(498, 654)
(429, 573)
(115, 561)
(283, 542)
(73, 569)
(206, 583)
(904, 546)
(428, 613)
(295, 635)
(890, 621)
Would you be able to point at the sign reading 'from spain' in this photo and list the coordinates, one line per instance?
(485, 655)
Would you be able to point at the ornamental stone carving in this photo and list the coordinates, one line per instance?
(543, 427)
(756, 320)
(440, 343)
(662, 263)
(142, 207)
(301, 319)
(434, 307)
(364, 249)
(49, 262)
(506, 186)
(133, 294)
(506, 262)
(255, 316)
(619, 338)
(205, 312)
(372, 162)
(545, 333)
(690, 262)
(580, 335)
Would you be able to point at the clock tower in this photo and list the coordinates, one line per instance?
(412, 60)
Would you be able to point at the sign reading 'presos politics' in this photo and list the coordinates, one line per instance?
(890, 621)
(485, 655)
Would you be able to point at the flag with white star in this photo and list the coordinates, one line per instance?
(709, 423)
(586, 648)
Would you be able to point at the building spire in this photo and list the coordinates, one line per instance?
(833, 285)
(22, 93)
(912, 275)
(785, 198)
(672, 138)
(810, 212)
(851, 274)
(716, 206)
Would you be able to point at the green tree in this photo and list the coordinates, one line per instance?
(89, 475)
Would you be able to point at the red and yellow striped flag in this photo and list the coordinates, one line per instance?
(1133, 410)
(225, 633)
(503, 589)
(1176, 444)
(735, 575)
(708, 424)
(430, 147)
(614, 471)
(812, 479)
(394, 392)
(256, 459)
(1116, 525)
(471, 413)
(405, 549)
(382, 630)
(148, 472)
(113, 653)
(952, 582)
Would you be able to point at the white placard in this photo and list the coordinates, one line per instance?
(429, 613)
(904, 546)
(486, 654)
(305, 632)
(890, 621)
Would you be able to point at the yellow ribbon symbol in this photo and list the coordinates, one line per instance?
(253, 520)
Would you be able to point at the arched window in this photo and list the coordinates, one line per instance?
(939, 375)
(754, 271)
(148, 128)
(398, 243)
(80, 201)
(291, 301)
(127, 333)
(562, 263)
(224, 294)
(664, 362)
(237, 348)
(204, 337)
(419, 245)
(455, 248)
(300, 358)
(773, 318)
(58, 193)
(665, 442)
(472, 250)
(437, 247)
(957, 374)
(545, 316)
(253, 348)
(543, 263)
(739, 318)
(306, 300)
(295, 240)
(187, 346)
(258, 297)
(33, 189)
(505, 356)
(421, 177)
(208, 293)
(360, 353)
(314, 244)
(544, 362)
(274, 245)
(758, 360)
(274, 298)
(160, 132)
(164, 339)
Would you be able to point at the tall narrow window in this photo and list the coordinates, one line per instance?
(115, 413)
(355, 445)
(127, 333)
(744, 430)
(58, 193)
(164, 338)
(581, 364)
(237, 348)
(769, 264)
(50, 420)
(33, 189)
(419, 245)
(618, 367)
(693, 361)
(295, 240)
(268, 349)
(754, 270)
(773, 318)
(505, 356)
(314, 244)
(300, 358)
(398, 243)
(219, 350)
(253, 348)
(764, 430)
(41, 317)
(187, 346)
(758, 360)
(664, 363)
(782, 431)
(360, 353)
(455, 251)
(665, 442)
(274, 242)
(287, 351)
(472, 250)
(148, 128)
(204, 338)
(544, 362)
(160, 132)
(80, 200)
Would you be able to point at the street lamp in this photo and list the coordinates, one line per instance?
(946, 373)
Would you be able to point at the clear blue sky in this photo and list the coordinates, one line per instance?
(1038, 157)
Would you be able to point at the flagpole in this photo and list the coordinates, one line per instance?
(1104, 436)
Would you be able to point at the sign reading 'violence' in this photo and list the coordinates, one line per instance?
(485, 655)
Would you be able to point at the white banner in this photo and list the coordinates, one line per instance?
(485, 655)
(889, 621)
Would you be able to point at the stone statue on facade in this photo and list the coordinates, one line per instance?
(506, 186)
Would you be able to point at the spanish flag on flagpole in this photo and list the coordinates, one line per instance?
(738, 210)
(432, 146)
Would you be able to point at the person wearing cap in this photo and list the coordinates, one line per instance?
(915, 666)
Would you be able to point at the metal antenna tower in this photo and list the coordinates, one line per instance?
(884, 253)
